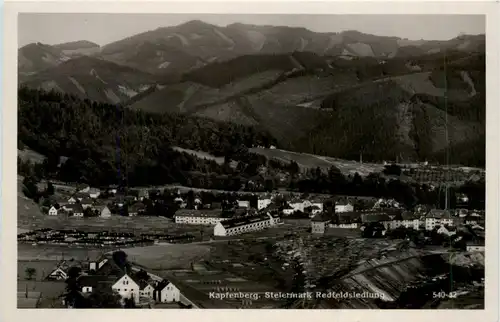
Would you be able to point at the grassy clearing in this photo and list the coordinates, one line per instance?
(164, 257)
(42, 267)
(308, 161)
(201, 155)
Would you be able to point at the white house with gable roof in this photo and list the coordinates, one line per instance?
(127, 288)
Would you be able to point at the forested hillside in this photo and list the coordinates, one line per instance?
(107, 143)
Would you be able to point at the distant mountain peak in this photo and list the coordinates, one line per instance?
(79, 44)
(196, 23)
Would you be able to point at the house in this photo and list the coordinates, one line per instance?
(303, 205)
(60, 201)
(146, 289)
(347, 220)
(475, 247)
(83, 187)
(437, 217)
(72, 200)
(447, 230)
(136, 209)
(472, 220)
(103, 210)
(376, 217)
(94, 193)
(319, 223)
(119, 201)
(263, 203)
(127, 287)
(91, 283)
(288, 210)
(243, 204)
(462, 213)
(130, 199)
(406, 219)
(143, 194)
(462, 198)
(113, 189)
(198, 217)
(236, 226)
(384, 203)
(97, 265)
(166, 292)
(343, 206)
(313, 210)
(86, 202)
(52, 211)
(75, 210)
(60, 272)
(123, 284)
(79, 196)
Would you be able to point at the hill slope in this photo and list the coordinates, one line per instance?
(196, 43)
(37, 56)
(343, 108)
(92, 78)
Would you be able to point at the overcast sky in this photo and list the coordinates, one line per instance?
(105, 28)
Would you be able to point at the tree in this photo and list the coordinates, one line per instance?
(104, 297)
(120, 258)
(142, 275)
(392, 169)
(30, 272)
(72, 295)
(129, 304)
(88, 212)
(269, 185)
(30, 187)
(50, 189)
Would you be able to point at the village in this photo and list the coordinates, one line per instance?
(232, 214)
(246, 226)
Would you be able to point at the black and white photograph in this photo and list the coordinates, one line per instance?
(251, 161)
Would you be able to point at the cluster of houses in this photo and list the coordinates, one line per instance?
(101, 238)
(395, 218)
(86, 198)
(127, 283)
(445, 222)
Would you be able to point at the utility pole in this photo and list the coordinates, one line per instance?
(447, 161)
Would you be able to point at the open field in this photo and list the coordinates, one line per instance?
(50, 292)
(307, 161)
(27, 154)
(165, 257)
(136, 225)
(43, 267)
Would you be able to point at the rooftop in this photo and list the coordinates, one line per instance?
(236, 222)
(321, 217)
(198, 213)
(439, 213)
(375, 217)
